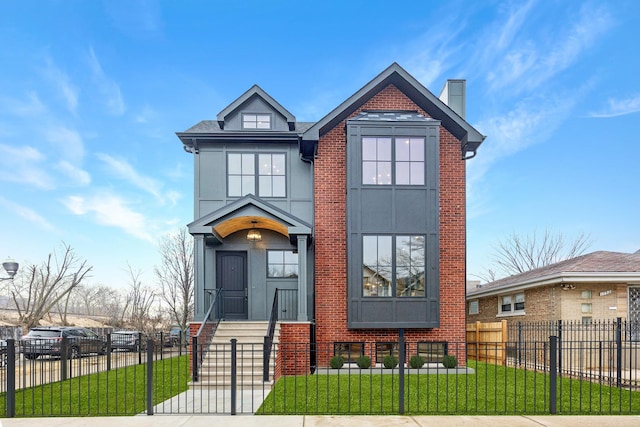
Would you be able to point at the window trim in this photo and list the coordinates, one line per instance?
(477, 306)
(512, 311)
(394, 161)
(256, 173)
(349, 344)
(253, 129)
(297, 264)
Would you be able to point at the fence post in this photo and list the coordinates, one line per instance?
(194, 358)
(401, 351)
(265, 359)
(619, 352)
(233, 375)
(64, 345)
(553, 373)
(149, 377)
(560, 347)
(519, 343)
(108, 352)
(11, 378)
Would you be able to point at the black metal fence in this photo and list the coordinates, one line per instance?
(551, 376)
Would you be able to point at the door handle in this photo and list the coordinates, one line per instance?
(246, 293)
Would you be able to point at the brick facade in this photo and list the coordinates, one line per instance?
(294, 350)
(330, 236)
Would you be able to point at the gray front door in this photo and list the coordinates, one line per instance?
(231, 278)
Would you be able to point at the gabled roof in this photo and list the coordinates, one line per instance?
(411, 87)
(596, 267)
(250, 206)
(255, 90)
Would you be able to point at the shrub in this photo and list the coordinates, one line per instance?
(449, 361)
(390, 362)
(336, 362)
(416, 362)
(363, 362)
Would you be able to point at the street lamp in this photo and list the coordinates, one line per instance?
(11, 267)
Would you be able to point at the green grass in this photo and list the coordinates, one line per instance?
(120, 391)
(491, 390)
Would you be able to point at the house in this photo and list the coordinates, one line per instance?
(600, 285)
(360, 215)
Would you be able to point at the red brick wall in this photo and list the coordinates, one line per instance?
(293, 350)
(330, 236)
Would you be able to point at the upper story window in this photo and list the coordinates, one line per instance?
(388, 161)
(393, 266)
(256, 121)
(262, 174)
(512, 304)
(474, 307)
(282, 264)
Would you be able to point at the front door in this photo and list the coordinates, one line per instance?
(231, 278)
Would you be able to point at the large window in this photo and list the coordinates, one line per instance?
(393, 266)
(256, 121)
(265, 172)
(387, 161)
(282, 264)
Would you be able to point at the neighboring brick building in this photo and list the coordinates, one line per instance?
(597, 286)
(358, 219)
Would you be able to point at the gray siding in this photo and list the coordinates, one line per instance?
(401, 210)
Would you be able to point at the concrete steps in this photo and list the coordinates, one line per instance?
(215, 370)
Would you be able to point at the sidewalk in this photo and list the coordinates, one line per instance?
(328, 420)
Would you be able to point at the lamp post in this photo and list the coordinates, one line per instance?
(11, 267)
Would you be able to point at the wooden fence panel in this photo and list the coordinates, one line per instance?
(486, 342)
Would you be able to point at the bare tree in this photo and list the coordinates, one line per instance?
(43, 286)
(175, 275)
(516, 254)
(140, 301)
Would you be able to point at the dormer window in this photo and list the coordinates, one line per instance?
(256, 121)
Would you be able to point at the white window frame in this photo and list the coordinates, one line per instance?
(514, 299)
(257, 121)
(474, 307)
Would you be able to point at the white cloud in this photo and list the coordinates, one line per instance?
(619, 107)
(23, 165)
(79, 176)
(68, 91)
(68, 142)
(30, 107)
(112, 211)
(109, 89)
(125, 171)
(28, 214)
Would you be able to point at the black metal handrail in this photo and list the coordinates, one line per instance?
(198, 351)
(268, 339)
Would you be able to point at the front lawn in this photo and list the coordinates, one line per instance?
(120, 391)
(491, 390)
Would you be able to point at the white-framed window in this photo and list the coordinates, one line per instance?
(585, 294)
(474, 307)
(393, 161)
(511, 304)
(256, 121)
(263, 174)
(587, 307)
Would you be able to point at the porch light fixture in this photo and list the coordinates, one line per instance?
(11, 267)
(254, 235)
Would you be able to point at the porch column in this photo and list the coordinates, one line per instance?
(302, 278)
(198, 266)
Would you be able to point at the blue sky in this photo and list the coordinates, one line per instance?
(92, 93)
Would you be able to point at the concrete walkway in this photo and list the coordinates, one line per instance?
(324, 421)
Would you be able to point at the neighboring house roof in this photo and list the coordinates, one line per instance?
(412, 88)
(596, 267)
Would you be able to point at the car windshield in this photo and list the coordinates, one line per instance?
(45, 334)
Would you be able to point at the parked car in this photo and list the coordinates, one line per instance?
(48, 341)
(127, 340)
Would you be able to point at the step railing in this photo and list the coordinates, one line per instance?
(206, 330)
